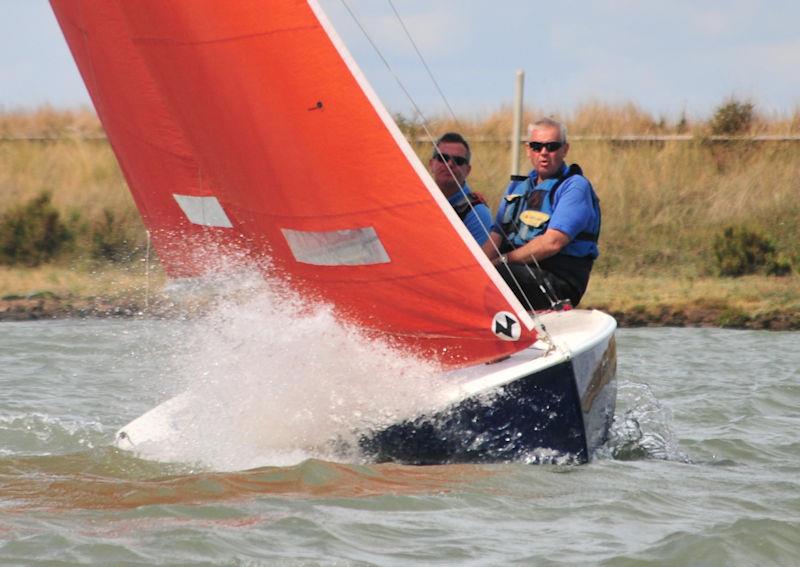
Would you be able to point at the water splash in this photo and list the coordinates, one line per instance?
(272, 380)
(643, 429)
(37, 433)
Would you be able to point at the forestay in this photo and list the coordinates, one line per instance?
(246, 125)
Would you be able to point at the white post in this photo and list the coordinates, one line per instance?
(516, 127)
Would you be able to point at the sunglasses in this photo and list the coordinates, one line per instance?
(551, 146)
(458, 160)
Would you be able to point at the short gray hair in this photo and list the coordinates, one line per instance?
(543, 123)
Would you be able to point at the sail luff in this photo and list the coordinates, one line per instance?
(418, 166)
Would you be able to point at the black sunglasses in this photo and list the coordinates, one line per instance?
(458, 160)
(551, 146)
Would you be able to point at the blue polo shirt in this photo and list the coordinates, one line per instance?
(575, 210)
(478, 220)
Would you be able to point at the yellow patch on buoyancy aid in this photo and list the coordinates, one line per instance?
(529, 221)
(534, 219)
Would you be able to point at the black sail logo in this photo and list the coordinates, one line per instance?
(506, 326)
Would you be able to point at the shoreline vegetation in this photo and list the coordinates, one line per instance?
(751, 302)
(699, 216)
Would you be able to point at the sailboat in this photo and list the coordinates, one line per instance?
(246, 128)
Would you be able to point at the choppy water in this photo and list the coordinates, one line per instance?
(703, 469)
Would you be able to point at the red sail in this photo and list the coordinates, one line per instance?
(150, 146)
(246, 123)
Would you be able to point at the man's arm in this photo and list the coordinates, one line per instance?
(541, 247)
(492, 245)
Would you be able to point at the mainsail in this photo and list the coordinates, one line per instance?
(246, 125)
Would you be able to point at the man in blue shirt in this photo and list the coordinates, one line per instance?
(450, 167)
(544, 239)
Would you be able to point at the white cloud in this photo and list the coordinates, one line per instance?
(665, 57)
(436, 28)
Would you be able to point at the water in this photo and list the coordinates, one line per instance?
(703, 467)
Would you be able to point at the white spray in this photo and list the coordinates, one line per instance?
(271, 380)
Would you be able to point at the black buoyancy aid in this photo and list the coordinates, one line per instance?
(464, 207)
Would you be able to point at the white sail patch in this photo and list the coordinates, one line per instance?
(349, 247)
(205, 211)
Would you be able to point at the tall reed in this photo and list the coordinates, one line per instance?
(663, 201)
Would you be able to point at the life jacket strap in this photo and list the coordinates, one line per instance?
(464, 207)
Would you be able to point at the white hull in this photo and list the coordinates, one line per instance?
(578, 373)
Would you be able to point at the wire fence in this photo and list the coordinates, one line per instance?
(645, 139)
(625, 138)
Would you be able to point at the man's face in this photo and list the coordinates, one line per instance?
(547, 163)
(449, 180)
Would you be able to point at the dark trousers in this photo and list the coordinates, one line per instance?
(557, 279)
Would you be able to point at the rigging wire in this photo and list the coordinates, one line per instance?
(544, 285)
(424, 63)
(413, 102)
(424, 120)
(450, 110)
(147, 274)
(432, 139)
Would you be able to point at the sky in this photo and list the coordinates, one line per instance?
(668, 58)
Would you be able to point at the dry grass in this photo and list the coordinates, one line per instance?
(47, 122)
(601, 119)
(82, 175)
(751, 294)
(700, 300)
(663, 203)
(108, 282)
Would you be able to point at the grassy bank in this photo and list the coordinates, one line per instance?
(754, 302)
(665, 204)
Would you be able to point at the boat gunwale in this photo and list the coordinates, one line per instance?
(514, 367)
